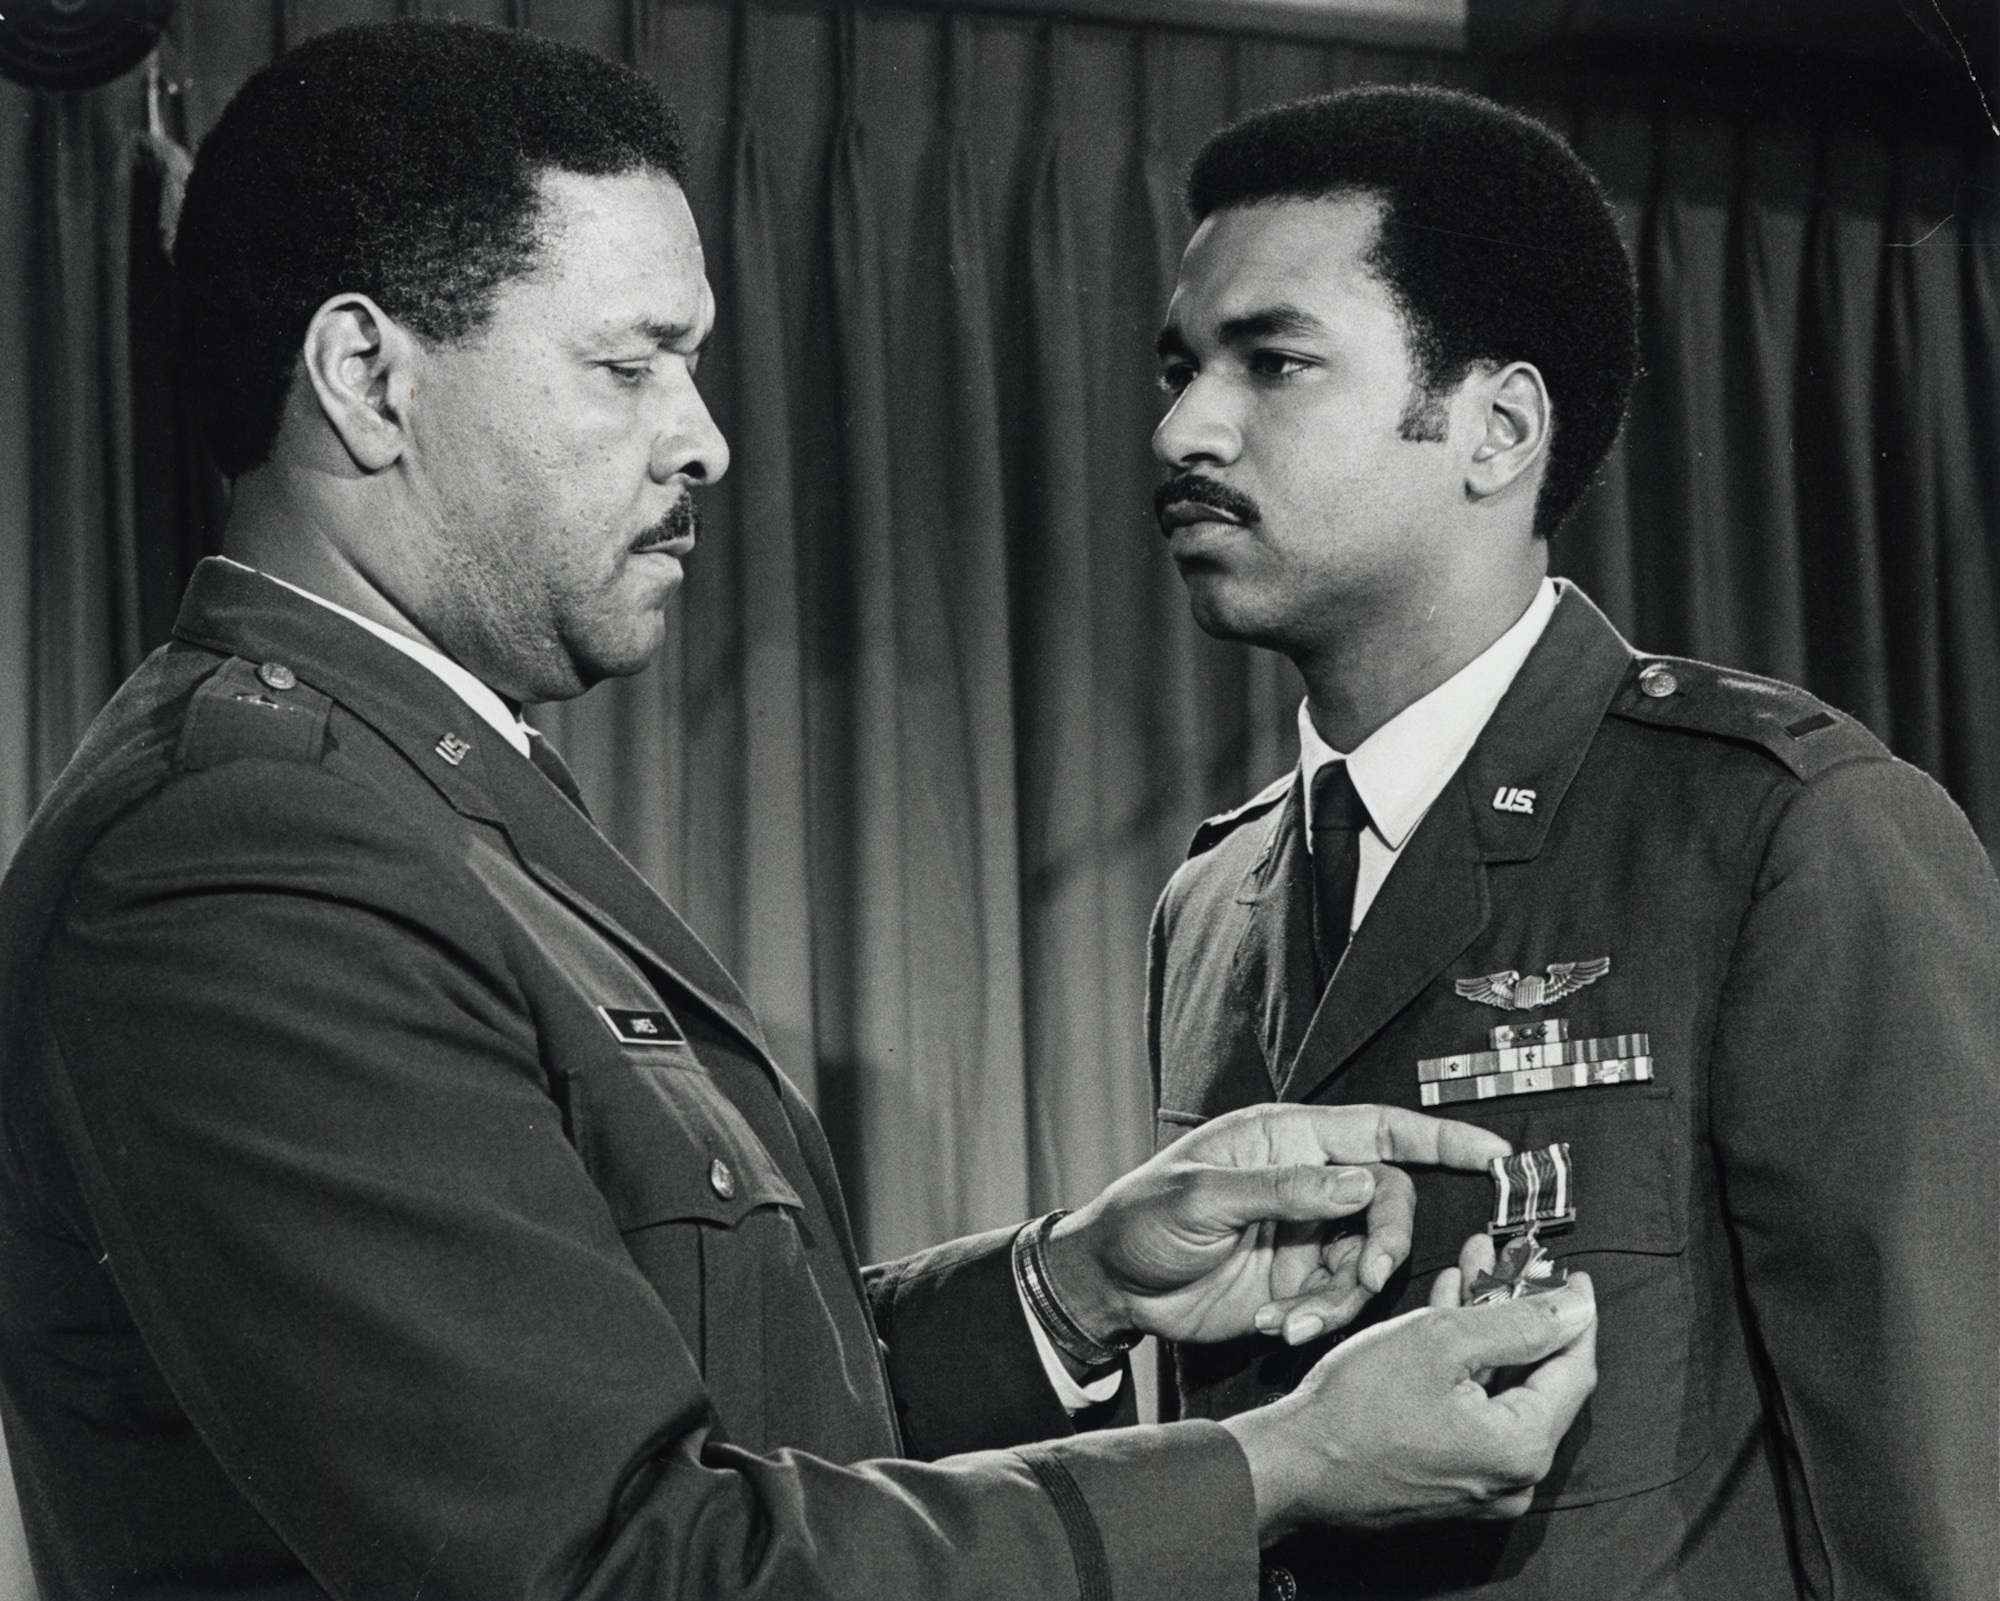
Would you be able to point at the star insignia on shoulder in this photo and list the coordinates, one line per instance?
(1512, 991)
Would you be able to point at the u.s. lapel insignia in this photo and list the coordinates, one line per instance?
(1513, 991)
(1511, 798)
(453, 749)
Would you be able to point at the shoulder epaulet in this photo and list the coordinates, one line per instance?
(252, 709)
(1223, 824)
(1800, 730)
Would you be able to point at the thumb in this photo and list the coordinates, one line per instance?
(1231, 1197)
(1521, 1332)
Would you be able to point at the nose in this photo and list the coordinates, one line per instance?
(1199, 429)
(688, 445)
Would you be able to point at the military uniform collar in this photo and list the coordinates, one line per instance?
(1522, 764)
(240, 612)
(477, 695)
(1498, 809)
(1402, 768)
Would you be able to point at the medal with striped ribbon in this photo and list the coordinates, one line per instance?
(1531, 1190)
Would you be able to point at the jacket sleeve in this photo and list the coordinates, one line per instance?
(962, 1363)
(301, 1094)
(1854, 1112)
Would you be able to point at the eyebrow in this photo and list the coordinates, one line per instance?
(1277, 321)
(1269, 322)
(667, 335)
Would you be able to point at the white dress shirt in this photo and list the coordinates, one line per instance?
(1398, 771)
(1074, 1397)
(481, 700)
(485, 704)
(1401, 768)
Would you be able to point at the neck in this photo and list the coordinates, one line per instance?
(1372, 668)
(289, 535)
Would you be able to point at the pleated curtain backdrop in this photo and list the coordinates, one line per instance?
(932, 725)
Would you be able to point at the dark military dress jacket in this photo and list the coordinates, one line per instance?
(1790, 1225)
(398, 1200)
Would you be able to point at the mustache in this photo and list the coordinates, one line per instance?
(1202, 491)
(682, 521)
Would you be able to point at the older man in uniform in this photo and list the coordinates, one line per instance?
(1724, 970)
(398, 1199)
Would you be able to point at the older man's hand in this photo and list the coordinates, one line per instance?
(1243, 1224)
(1397, 1425)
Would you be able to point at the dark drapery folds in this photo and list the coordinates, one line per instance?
(932, 725)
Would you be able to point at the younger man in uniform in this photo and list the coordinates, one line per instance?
(1692, 934)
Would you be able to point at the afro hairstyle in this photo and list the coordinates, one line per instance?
(1496, 243)
(400, 161)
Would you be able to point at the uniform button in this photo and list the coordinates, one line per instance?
(277, 675)
(1658, 681)
(721, 1180)
(1279, 1585)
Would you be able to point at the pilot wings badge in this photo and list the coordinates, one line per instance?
(1513, 992)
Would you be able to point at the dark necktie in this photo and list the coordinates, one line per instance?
(555, 769)
(1338, 818)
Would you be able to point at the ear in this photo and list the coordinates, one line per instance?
(361, 364)
(1514, 421)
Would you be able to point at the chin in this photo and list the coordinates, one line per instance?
(1268, 628)
(621, 654)
(1219, 606)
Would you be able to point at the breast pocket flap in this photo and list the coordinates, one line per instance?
(1624, 1148)
(664, 1144)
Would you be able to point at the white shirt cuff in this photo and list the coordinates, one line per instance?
(1074, 1396)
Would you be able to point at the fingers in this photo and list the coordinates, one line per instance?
(1395, 1134)
(1527, 1422)
(1507, 1506)
(1352, 1268)
(1261, 1135)
(1227, 1198)
(1552, 1395)
(1435, 1445)
(1331, 1298)
(1405, 1136)
(1474, 1258)
(1306, 1320)
(1524, 1331)
(1391, 1216)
